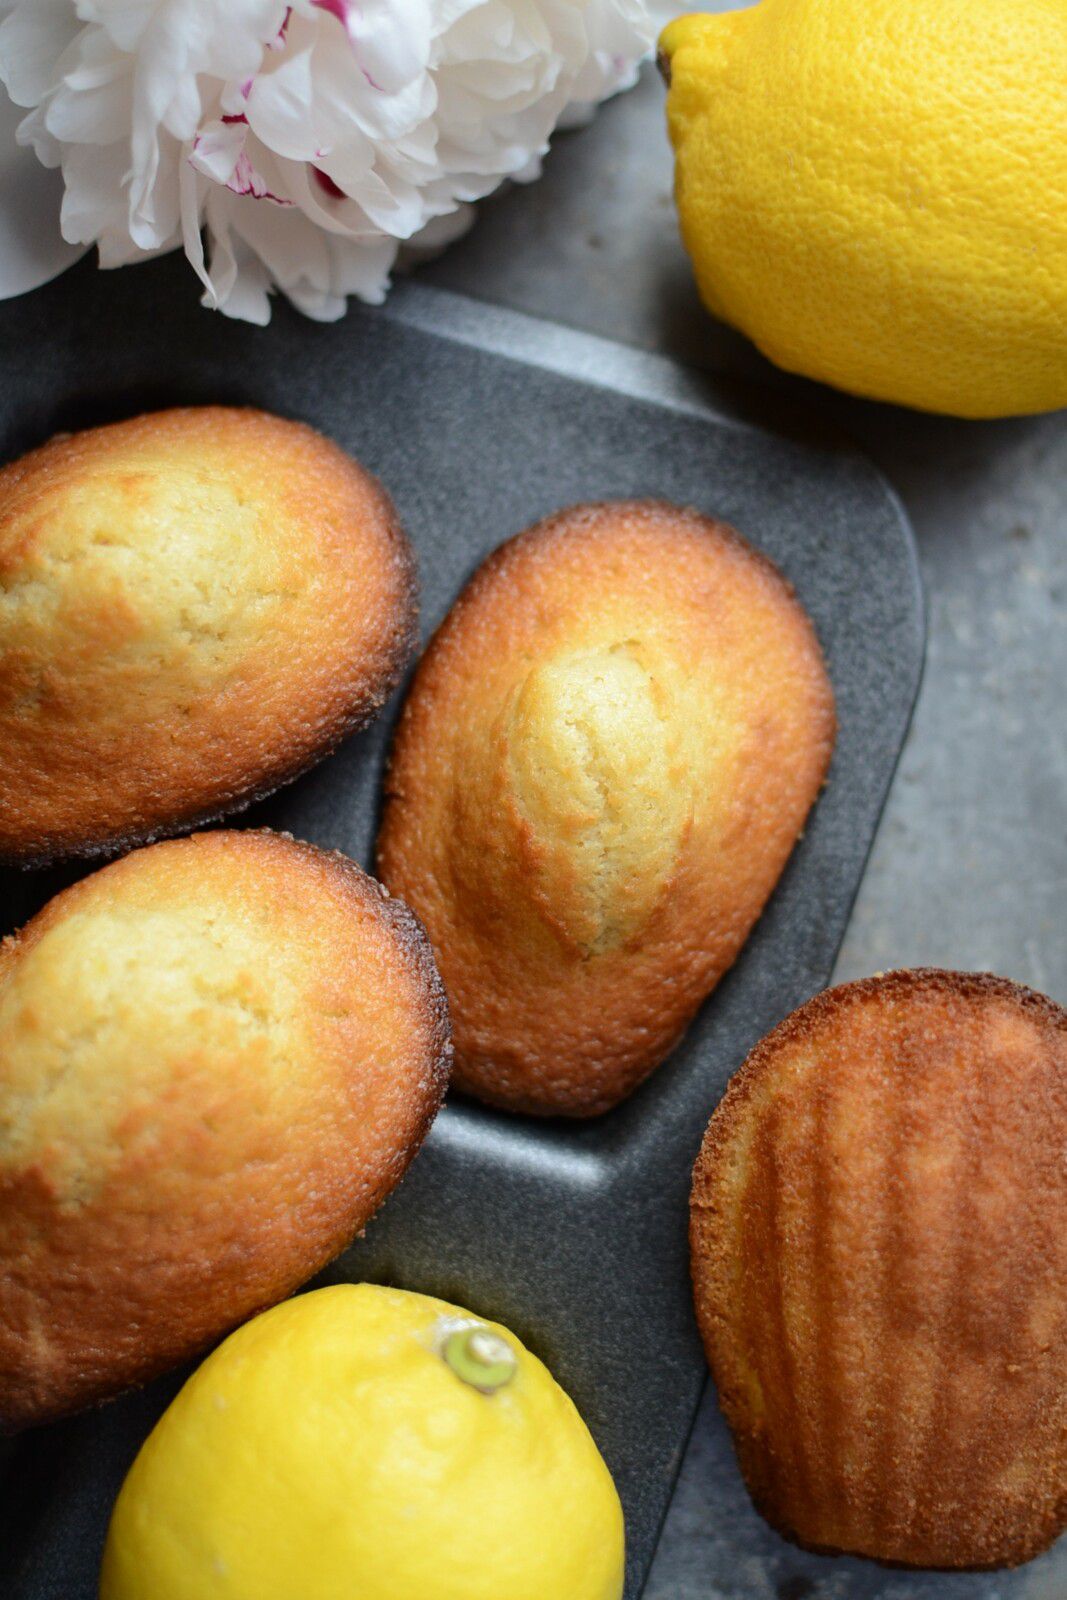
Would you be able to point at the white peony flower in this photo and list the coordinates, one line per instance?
(304, 143)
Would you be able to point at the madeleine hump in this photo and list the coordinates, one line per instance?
(195, 606)
(879, 1249)
(604, 762)
(217, 1057)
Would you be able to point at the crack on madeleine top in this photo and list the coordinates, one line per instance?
(109, 568)
(601, 780)
(118, 1018)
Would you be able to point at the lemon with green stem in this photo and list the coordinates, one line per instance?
(372, 1442)
(875, 191)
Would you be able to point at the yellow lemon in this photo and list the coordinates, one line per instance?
(360, 1441)
(875, 191)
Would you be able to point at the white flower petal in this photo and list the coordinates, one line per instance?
(33, 38)
(33, 132)
(215, 150)
(94, 205)
(191, 196)
(87, 108)
(248, 282)
(305, 141)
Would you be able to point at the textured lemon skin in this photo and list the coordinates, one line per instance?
(875, 192)
(325, 1450)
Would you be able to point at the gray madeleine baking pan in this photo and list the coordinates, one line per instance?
(479, 422)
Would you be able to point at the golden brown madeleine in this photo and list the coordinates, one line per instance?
(194, 607)
(879, 1237)
(604, 761)
(217, 1056)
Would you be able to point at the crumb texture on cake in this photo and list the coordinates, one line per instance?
(879, 1249)
(601, 778)
(217, 1056)
(605, 759)
(194, 605)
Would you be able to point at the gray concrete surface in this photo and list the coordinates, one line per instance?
(970, 867)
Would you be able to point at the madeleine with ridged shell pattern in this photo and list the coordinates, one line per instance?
(195, 606)
(605, 759)
(217, 1057)
(879, 1251)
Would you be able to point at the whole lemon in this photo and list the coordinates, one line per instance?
(875, 191)
(368, 1442)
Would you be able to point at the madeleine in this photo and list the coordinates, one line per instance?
(602, 766)
(217, 1057)
(195, 606)
(879, 1244)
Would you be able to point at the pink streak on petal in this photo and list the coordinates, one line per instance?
(343, 10)
(247, 181)
(346, 13)
(278, 42)
(326, 182)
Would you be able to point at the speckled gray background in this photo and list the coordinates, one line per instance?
(970, 867)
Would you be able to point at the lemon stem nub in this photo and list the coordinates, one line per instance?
(481, 1358)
